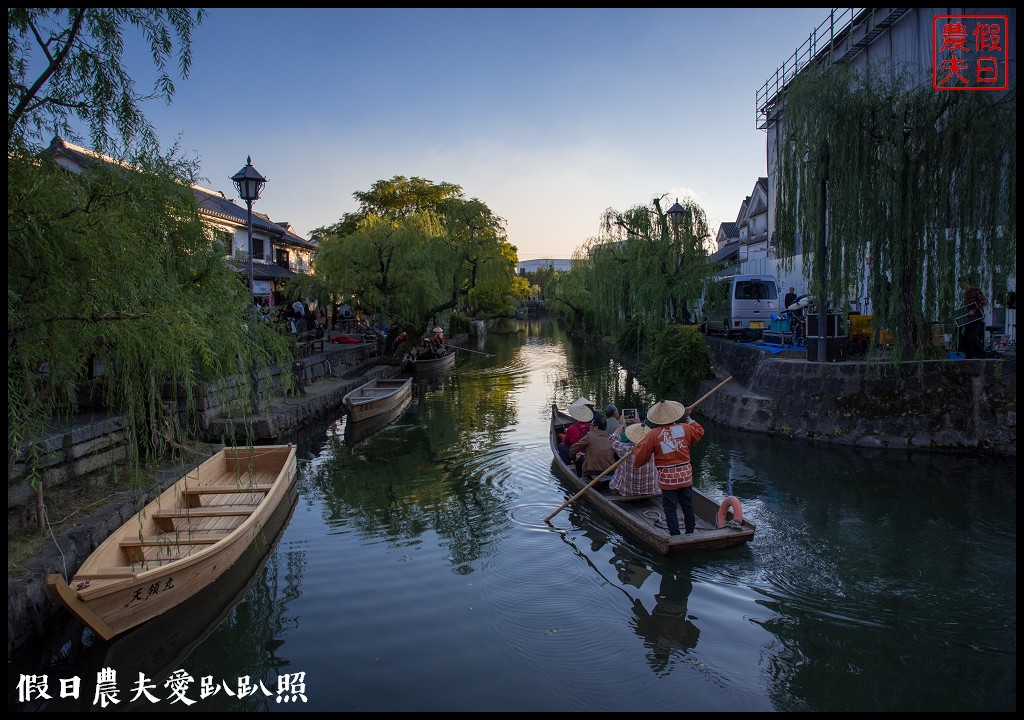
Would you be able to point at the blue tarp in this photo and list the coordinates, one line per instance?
(773, 349)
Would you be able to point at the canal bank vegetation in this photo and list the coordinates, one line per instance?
(636, 284)
(918, 186)
(417, 253)
(117, 301)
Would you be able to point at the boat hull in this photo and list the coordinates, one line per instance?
(643, 518)
(181, 542)
(377, 397)
(418, 367)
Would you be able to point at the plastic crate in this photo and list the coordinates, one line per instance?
(779, 326)
(860, 325)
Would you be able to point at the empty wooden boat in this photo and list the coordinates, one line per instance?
(377, 397)
(182, 541)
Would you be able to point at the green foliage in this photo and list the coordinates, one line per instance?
(416, 251)
(82, 77)
(921, 187)
(542, 281)
(642, 268)
(629, 340)
(102, 274)
(680, 359)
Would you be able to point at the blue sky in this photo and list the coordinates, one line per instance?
(550, 116)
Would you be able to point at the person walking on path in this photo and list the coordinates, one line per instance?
(669, 443)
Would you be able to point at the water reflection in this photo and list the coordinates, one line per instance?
(417, 573)
(666, 630)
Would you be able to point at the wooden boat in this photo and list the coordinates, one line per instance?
(642, 517)
(357, 431)
(182, 541)
(377, 397)
(418, 366)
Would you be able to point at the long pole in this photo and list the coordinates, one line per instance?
(254, 377)
(593, 482)
(472, 351)
(252, 284)
(822, 250)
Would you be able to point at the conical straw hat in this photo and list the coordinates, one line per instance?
(635, 432)
(581, 413)
(665, 412)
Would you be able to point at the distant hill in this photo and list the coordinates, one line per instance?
(533, 265)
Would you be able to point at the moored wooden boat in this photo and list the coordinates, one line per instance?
(357, 431)
(182, 541)
(419, 366)
(642, 517)
(377, 397)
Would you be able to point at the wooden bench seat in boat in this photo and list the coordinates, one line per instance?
(165, 518)
(194, 494)
(134, 547)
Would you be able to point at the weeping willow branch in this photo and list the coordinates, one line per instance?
(921, 188)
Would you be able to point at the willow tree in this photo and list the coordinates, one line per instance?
(642, 272)
(917, 185)
(113, 285)
(64, 68)
(114, 288)
(415, 250)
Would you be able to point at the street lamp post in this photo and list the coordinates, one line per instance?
(675, 214)
(250, 184)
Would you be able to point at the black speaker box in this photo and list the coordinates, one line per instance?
(833, 349)
(834, 327)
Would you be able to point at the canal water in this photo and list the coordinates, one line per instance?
(416, 573)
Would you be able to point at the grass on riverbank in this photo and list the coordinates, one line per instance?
(80, 499)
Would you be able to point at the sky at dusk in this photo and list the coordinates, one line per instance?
(549, 116)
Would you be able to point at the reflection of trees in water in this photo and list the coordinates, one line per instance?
(249, 637)
(440, 467)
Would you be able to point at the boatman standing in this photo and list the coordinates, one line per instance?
(669, 442)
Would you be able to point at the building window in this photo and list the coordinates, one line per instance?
(257, 248)
(282, 257)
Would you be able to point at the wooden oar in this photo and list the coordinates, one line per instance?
(472, 351)
(589, 485)
(615, 464)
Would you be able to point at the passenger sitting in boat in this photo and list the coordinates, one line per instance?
(596, 449)
(575, 432)
(628, 480)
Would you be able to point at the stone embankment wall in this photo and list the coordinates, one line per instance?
(961, 405)
(85, 446)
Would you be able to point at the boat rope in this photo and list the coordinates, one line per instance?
(657, 519)
(63, 560)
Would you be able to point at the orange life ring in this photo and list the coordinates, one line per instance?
(723, 511)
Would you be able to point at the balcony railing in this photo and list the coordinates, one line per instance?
(821, 37)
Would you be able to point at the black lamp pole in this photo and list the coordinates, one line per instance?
(250, 184)
(822, 249)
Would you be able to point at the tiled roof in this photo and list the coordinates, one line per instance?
(214, 203)
(261, 270)
(210, 202)
(725, 254)
(730, 230)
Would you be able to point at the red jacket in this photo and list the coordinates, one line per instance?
(670, 446)
(575, 433)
